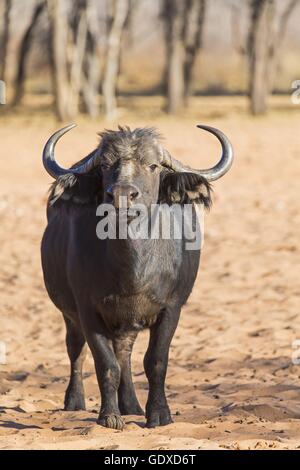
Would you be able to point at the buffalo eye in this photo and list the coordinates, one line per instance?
(153, 167)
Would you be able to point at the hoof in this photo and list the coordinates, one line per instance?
(111, 421)
(158, 417)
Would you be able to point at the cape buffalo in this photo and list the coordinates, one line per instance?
(108, 289)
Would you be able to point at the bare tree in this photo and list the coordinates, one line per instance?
(262, 15)
(173, 14)
(193, 33)
(77, 50)
(4, 39)
(113, 56)
(92, 65)
(267, 30)
(183, 20)
(68, 48)
(59, 41)
(23, 53)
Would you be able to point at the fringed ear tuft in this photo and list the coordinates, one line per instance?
(184, 188)
(62, 184)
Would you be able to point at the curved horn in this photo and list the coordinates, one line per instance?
(213, 173)
(50, 164)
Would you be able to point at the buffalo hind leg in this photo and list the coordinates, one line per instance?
(128, 402)
(156, 363)
(107, 369)
(76, 347)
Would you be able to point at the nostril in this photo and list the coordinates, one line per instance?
(134, 195)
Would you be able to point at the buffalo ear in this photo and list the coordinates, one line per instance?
(78, 189)
(184, 188)
(62, 187)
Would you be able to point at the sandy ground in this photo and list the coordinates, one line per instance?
(231, 382)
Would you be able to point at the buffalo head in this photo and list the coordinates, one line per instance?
(134, 167)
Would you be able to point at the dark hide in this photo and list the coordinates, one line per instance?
(108, 290)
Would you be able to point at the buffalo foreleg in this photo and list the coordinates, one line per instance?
(155, 363)
(128, 402)
(107, 369)
(76, 347)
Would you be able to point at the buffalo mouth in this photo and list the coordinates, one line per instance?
(128, 213)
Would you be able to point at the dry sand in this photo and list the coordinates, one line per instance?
(231, 382)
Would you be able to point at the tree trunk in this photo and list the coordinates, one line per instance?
(68, 49)
(176, 84)
(76, 72)
(259, 54)
(192, 40)
(24, 50)
(5, 19)
(174, 23)
(59, 34)
(183, 20)
(113, 58)
(91, 84)
(265, 37)
(92, 63)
